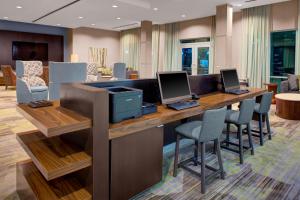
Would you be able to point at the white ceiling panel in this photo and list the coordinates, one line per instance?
(101, 14)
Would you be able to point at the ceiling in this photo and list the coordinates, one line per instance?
(101, 14)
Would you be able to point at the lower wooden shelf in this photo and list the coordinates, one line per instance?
(32, 185)
(52, 156)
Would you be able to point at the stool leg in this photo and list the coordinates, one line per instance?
(268, 126)
(241, 150)
(261, 135)
(250, 138)
(196, 149)
(202, 167)
(215, 147)
(227, 134)
(220, 161)
(176, 155)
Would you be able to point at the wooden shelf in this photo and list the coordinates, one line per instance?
(32, 185)
(52, 156)
(54, 120)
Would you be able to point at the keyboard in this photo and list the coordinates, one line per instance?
(237, 91)
(183, 105)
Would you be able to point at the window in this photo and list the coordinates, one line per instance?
(282, 55)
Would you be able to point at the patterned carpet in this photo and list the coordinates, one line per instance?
(272, 173)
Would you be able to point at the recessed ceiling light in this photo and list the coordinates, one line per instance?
(5, 17)
(183, 15)
(238, 5)
(19, 7)
(118, 18)
(93, 24)
(155, 9)
(114, 6)
(80, 17)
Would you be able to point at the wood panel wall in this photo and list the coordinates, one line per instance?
(55, 45)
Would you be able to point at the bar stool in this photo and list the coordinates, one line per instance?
(240, 118)
(202, 132)
(262, 109)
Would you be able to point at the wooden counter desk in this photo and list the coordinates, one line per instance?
(165, 115)
(136, 145)
(114, 161)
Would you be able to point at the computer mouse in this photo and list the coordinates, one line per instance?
(195, 96)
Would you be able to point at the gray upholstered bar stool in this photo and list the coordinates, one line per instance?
(240, 118)
(262, 109)
(202, 132)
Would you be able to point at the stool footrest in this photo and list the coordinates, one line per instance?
(183, 164)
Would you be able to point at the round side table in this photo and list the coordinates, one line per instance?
(288, 106)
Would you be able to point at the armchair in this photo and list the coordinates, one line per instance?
(64, 72)
(8, 75)
(291, 85)
(119, 71)
(30, 87)
(92, 73)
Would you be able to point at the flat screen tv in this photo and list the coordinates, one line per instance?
(29, 51)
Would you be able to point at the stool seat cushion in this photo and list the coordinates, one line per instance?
(190, 129)
(257, 107)
(232, 116)
(39, 88)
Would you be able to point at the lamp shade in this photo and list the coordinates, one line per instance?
(74, 57)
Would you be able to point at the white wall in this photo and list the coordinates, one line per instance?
(83, 38)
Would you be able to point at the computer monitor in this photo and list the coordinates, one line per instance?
(230, 79)
(173, 86)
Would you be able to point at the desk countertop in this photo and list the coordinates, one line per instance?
(165, 115)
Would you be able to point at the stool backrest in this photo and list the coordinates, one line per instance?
(266, 102)
(212, 125)
(246, 111)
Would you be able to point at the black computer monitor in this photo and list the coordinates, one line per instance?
(230, 79)
(174, 86)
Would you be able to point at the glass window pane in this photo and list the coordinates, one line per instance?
(282, 53)
(203, 60)
(187, 59)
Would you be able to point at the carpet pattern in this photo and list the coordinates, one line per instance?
(272, 173)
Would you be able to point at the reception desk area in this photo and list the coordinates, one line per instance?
(78, 153)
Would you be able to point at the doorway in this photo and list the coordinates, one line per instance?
(195, 57)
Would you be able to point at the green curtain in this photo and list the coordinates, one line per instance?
(172, 48)
(256, 45)
(212, 45)
(130, 48)
(155, 48)
(297, 67)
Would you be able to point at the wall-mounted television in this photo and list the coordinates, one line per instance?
(29, 51)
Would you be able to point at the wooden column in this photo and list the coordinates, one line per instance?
(146, 50)
(223, 41)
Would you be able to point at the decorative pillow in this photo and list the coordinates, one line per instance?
(33, 68)
(92, 69)
(298, 81)
(34, 81)
(293, 82)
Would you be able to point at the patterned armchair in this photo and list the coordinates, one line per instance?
(8, 75)
(92, 73)
(30, 87)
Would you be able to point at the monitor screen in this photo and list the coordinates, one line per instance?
(230, 78)
(29, 51)
(174, 86)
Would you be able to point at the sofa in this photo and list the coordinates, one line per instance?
(30, 87)
(291, 85)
